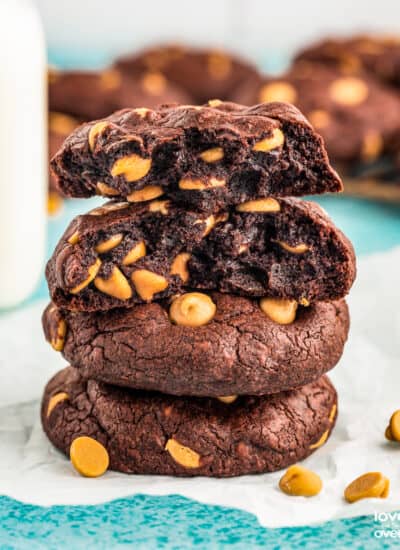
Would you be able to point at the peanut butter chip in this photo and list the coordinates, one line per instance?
(116, 285)
(54, 203)
(394, 425)
(89, 457)
(94, 133)
(278, 91)
(300, 482)
(199, 185)
(228, 399)
(193, 309)
(320, 441)
(300, 248)
(184, 456)
(146, 194)
(58, 339)
(179, 266)
(142, 111)
(132, 167)
(282, 312)
(74, 238)
(148, 283)
(370, 485)
(332, 414)
(277, 139)
(349, 91)
(137, 252)
(388, 434)
(92, 272)
(214, 103)
(259, 205)
(104, 189)
(159, 206)
(109, 244)
(154, 83)
(55, 400)
(212, 155)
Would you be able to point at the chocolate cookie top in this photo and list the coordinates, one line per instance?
(356, 116)
(90, 95)
(208, 157)
(204, 73)
(379, 55)
(248, 352)
(123, 254)
(146, 433)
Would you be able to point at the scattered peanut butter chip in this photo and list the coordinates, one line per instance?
(148, 283)
(188, 184)
(89, 457)
(94, 132)
(193, 309)
(54, 203)
(304, 302)
(137, 252)
(109, 244)
(55, 400)
(141, 111)
(58, 339)
(298, 481)
(228, 399)
(280, 311)
(159, 206)
(214, 103)
(146, 194)
(394, 425)
(101, 210)
(116, 285)
(211, 222)
(332, 414)
(183, 455)
(92, 272)
(179, 266)
(300, 248)
(74, 238)
(212, 155)
(277, 139)
(349, 91)
(104, 189)
(278, 91)
(132, 167)
(369, 485)
(259, 205)
(388, 434)
(320, 441)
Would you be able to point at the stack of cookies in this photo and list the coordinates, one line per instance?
(202, 306)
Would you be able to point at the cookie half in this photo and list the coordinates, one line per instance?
(241, 350)
(208, 157)
(146, 433)
(123, 254)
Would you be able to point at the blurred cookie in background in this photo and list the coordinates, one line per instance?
(378, 55)
(204, 73)
(90, 95)
(356, 115)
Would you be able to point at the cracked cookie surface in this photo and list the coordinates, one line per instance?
(123, 254)
(240, 351)
(208, 157)
(147, 433)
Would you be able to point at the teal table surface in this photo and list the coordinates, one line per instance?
(144, 521)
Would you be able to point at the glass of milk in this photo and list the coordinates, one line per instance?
(23, 144)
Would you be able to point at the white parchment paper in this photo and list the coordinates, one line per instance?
(367, 379)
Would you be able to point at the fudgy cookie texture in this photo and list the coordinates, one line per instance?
(379, 55)
(60, 126)
(356, 115)
(241, 351)
(204, 73)
(123, 254)
(205, 157)
(90, 95)
(148, 433)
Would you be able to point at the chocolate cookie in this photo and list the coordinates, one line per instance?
(147, 433)
(91, 95)
(206, 157)
(123, 254)
(60, 126)
(241, 350)
(379, 55)
(204, 73)
(357, 116)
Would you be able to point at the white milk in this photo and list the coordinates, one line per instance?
(23, 156)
